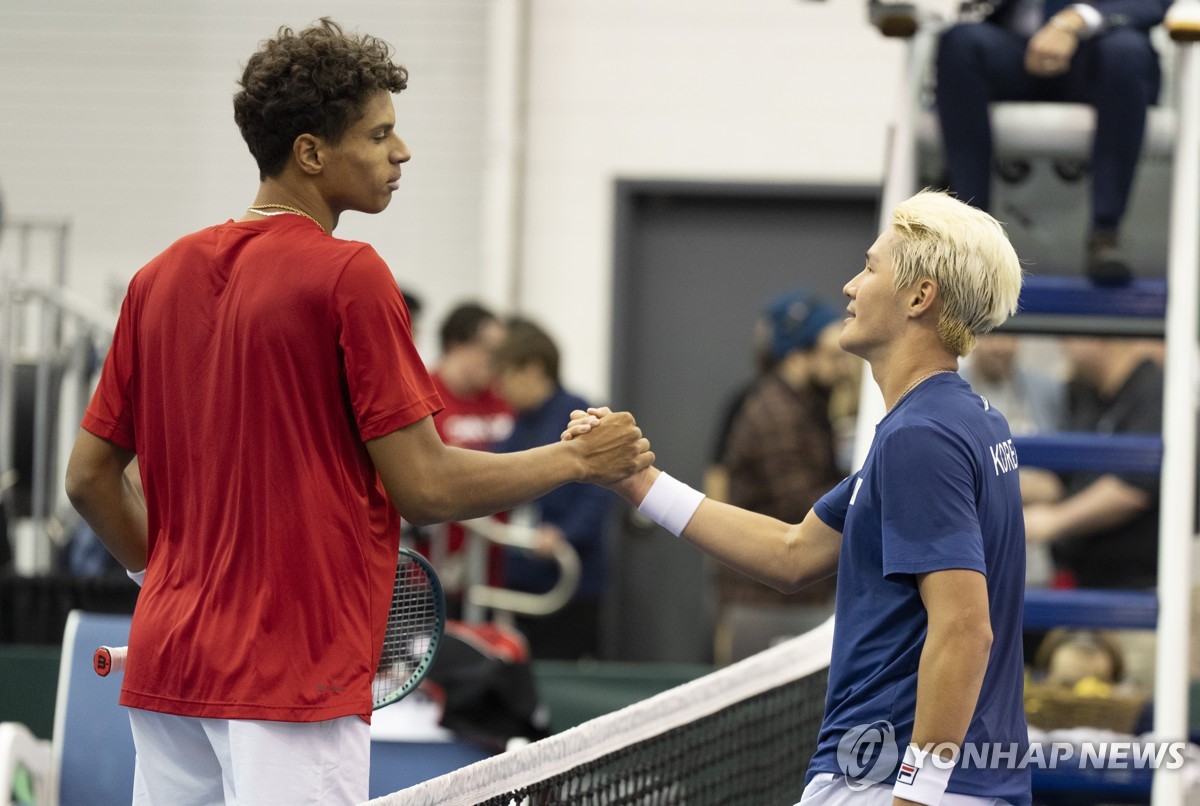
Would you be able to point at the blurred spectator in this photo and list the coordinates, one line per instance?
(576, 514)
(1102, 528)
(781, 458)
(716, 475)
(1047, 50)
(473, 416)
(1032, 401)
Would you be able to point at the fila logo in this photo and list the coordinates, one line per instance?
(907, 774)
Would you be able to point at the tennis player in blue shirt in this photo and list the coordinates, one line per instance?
(927, 538)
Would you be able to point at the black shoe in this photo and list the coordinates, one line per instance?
(1106, 264)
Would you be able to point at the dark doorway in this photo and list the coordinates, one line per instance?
(693, 264)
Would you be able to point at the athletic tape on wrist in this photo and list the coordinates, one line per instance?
(137, 576)
(670, 503)
(922, 778)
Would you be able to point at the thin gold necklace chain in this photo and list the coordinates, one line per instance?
(917, 383)
(261, 209)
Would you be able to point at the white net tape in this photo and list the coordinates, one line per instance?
(789, 661)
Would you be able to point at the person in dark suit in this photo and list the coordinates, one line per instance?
(1098, 53)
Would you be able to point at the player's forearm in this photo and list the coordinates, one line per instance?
(949, 678)
(115, 511)
(769, 550)
(954, 658)
(430, 482)
(104, 496)
(471, 484)
(785, 556)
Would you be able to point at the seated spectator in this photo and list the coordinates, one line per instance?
(1102, 528)
(1034, 50)
(1032, 401)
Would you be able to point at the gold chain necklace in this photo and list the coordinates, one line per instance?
(263, 209)
(917, 383)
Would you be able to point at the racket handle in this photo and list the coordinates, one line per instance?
(109, 659)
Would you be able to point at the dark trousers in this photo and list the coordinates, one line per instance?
(1116, 71)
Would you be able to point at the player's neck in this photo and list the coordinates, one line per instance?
(285, 190)
(908, 370)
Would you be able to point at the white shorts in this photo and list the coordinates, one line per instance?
(827, 789)
(188, 761)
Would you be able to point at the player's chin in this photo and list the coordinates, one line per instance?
(377, 205)
(846, 337)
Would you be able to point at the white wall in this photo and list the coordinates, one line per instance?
(754, 90)
(118, 117)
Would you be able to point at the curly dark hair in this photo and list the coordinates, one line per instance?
(317, 81)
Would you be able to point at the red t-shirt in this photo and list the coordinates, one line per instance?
(250, 363)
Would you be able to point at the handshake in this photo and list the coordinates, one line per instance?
(624, 463)
(610, 446)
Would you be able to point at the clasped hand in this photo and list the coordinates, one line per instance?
(612, 445)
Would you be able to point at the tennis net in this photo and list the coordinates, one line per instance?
(741, 735)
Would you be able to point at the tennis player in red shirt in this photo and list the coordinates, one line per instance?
(263, 373)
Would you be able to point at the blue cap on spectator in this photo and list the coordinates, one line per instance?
(796, 319)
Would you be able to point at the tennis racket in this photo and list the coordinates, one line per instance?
(415, 625)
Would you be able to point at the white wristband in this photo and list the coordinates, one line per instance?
(670, 503)
(922, 777)
(137, 576)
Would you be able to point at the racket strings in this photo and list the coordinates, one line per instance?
(413, 625)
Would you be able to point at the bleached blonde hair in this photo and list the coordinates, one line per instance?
(968, 254)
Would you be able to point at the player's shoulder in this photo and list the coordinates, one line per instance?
(185, 250)
(953, 417)
(357, 255)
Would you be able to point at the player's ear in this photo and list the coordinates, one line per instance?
(307, 151)
(922, 296)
